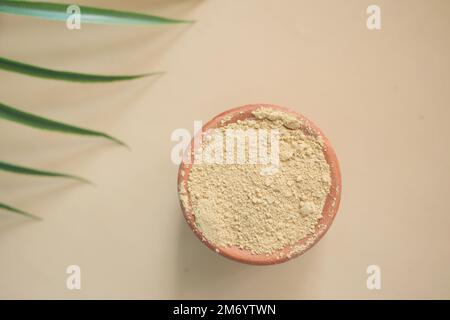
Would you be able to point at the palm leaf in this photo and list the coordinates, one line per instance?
(35, 121)
(36, 172)
(35, 71)
(15, 210)
(57, 11)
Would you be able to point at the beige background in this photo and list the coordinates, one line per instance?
(382, 97)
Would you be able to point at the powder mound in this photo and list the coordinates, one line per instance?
(259, 207)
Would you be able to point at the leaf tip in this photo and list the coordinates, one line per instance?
(84, 180)
(188, 21)
(120, 143)
(34, 217)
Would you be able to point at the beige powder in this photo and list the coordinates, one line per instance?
(236, 205)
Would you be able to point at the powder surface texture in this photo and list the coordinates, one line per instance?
(237, 205)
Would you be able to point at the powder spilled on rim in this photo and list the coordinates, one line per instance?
(236, 205)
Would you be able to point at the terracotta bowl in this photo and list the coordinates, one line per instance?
(329, 211)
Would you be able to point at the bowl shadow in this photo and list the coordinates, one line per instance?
(203, 274)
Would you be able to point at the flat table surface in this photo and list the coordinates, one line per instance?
(381, 96)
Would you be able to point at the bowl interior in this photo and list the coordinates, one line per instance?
(289, 252)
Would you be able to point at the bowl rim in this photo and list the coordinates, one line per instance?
(331, 203)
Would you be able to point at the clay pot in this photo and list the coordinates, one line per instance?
(329, 211)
